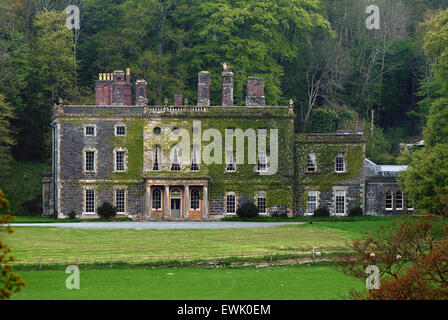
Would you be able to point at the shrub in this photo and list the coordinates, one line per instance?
(72, 215)
(248, 210)
(321, 212)
(33, 206)
(107, 210)
(279, 215)
(355, 212)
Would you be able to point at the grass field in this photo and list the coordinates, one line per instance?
(280, 283)
(30, 244)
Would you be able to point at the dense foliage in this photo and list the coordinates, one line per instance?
(247, 210)
(426, 179)
(411, 257)
(107, 210)
(10, 282)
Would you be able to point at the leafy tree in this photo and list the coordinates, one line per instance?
(411, 257)
(10, 282)
(426, 179)
(6, 132)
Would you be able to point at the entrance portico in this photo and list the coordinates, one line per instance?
(176, 199)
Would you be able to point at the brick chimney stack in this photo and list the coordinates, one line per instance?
(204, 89)
(227, 86)
(103, 90)
(140, 93)
(121, 89)
(255, 92)
(178, 100)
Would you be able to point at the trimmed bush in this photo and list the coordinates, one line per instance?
(248, 210)
(279, 215)
(322, 212)
(72, 215)
(107, 210)
(355, 212)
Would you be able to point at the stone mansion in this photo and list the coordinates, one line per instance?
(125, 154)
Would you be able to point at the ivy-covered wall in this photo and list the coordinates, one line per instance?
(326, 180)
(139, 144)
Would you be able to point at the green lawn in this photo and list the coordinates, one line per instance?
(56, 245)
(281, 283)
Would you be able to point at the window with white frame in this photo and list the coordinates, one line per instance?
(120, 160)
(157, 199)
(89, 130)
(340, 202)
(312, 202)
(230, 203)
(340, 162)
(262, 162)
(389, 201)
(120, 200)
(90, 200)
(194, 199)
(261, 201)
(312, 163)
(89, 161)
(230, 161)
(157, 157)
(399, 200)
(175, 166)
(120, 130)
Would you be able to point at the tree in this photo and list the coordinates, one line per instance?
(411, 257)
(426, 179)
(6, 132)
(9, 281)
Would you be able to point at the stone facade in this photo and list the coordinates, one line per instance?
(126, 155)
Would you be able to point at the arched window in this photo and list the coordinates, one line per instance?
(399, 200)
(194, 160)
(194, 199)
(157, 199)
(157, 155)
(389, 200)
(262, 162)
(175, 166)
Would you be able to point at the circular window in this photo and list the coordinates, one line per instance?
(157, 130)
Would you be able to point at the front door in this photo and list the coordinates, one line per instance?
(175, 204)
(175, 208)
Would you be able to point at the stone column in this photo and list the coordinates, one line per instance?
(147, 202)
(186, 200)
(205, 203)
(166, 203)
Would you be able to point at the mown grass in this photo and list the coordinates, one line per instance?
(30, 244)
(192, 283)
